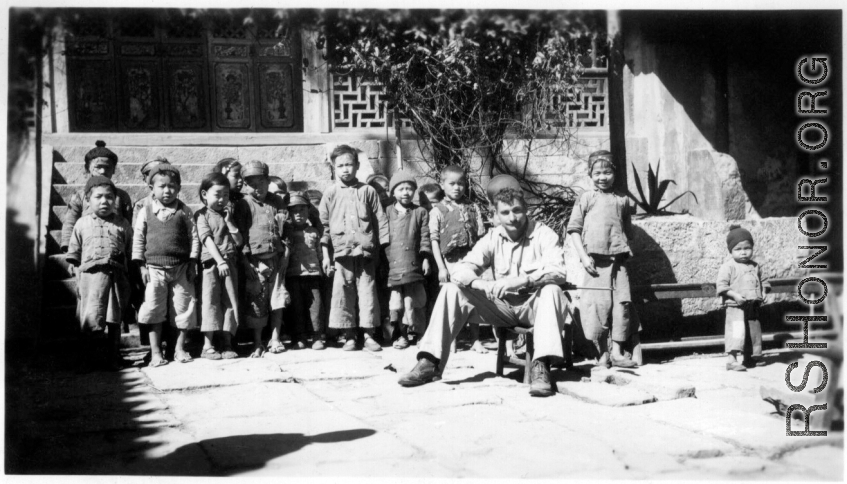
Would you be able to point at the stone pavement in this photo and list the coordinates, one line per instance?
(336, 413)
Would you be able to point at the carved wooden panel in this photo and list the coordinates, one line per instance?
(140, 107)
(91, 95)
(232, 95)
(187, 101)
(276, 96)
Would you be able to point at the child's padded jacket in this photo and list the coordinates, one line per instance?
(353, 220)
(410, 243)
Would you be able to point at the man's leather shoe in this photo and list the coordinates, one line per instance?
(424, 372)
(539, 380)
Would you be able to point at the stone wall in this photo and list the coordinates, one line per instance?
(684, 249)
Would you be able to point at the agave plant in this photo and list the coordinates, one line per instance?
(657, 191)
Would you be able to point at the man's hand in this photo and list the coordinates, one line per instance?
(485, 286)
(249, 270)
(145, 276)
(511, 285)
(588, 264)
(327, 266)
(425, 266)
(443, 275)
(741, 300)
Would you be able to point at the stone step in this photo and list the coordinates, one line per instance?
(130, 173)
(56, 267)
(188, 192)
(60, 292)
(209, 155)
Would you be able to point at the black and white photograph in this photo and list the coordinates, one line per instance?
(506, 241)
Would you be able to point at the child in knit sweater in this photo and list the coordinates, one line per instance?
(166, 248)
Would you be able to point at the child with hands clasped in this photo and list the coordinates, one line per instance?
(741, 287)
(99, 246)
(355, 227)
(220, 240)
(259, 217)
(601, 228)
(166, 249)
(408, 264)
(455, 225)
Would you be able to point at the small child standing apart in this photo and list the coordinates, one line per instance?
(741, 288)
(601, 228)
(100, 245)
(355, 227)
(304, 274)
(455, 225)
(99, 161)
(166, 249)
(408, 265)
(257, 216)
(220, 240)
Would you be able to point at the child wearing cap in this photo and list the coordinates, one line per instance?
(145, 173)
(408, 264)
(304, 275)
(166, 249)
(98, 161)
(741, 288)
(355, 227)
(259, 217)
(99, 246)
(455, 225)
(601, 228)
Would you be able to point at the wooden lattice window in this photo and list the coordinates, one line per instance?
(173, 70)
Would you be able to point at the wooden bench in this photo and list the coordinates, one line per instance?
(653, 293)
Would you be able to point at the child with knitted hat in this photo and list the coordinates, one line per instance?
(100, 245)
(407, 262)
(741, 287)
(98, 161)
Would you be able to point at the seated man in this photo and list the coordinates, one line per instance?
(528, 265)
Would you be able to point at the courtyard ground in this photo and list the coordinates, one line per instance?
(335, 413)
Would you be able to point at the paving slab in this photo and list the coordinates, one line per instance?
(608, 394)
(202, 373)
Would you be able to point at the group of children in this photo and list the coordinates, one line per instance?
(263, 255)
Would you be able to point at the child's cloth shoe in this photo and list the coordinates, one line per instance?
(318, 345)
(349, 345)
(300, 344)
(735, 367)
(371, 344)
(229, 354)
(210, 354)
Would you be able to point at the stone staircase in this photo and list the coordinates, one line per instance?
(302, 166)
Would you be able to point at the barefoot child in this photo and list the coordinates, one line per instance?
(408, 265)
(355, 227)
(304, 276)
(166, 249)
(741, 288)
(600, 229)
(257, 217)
(99, 247)
(220, 240)
(98, 161)
(454, 227)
